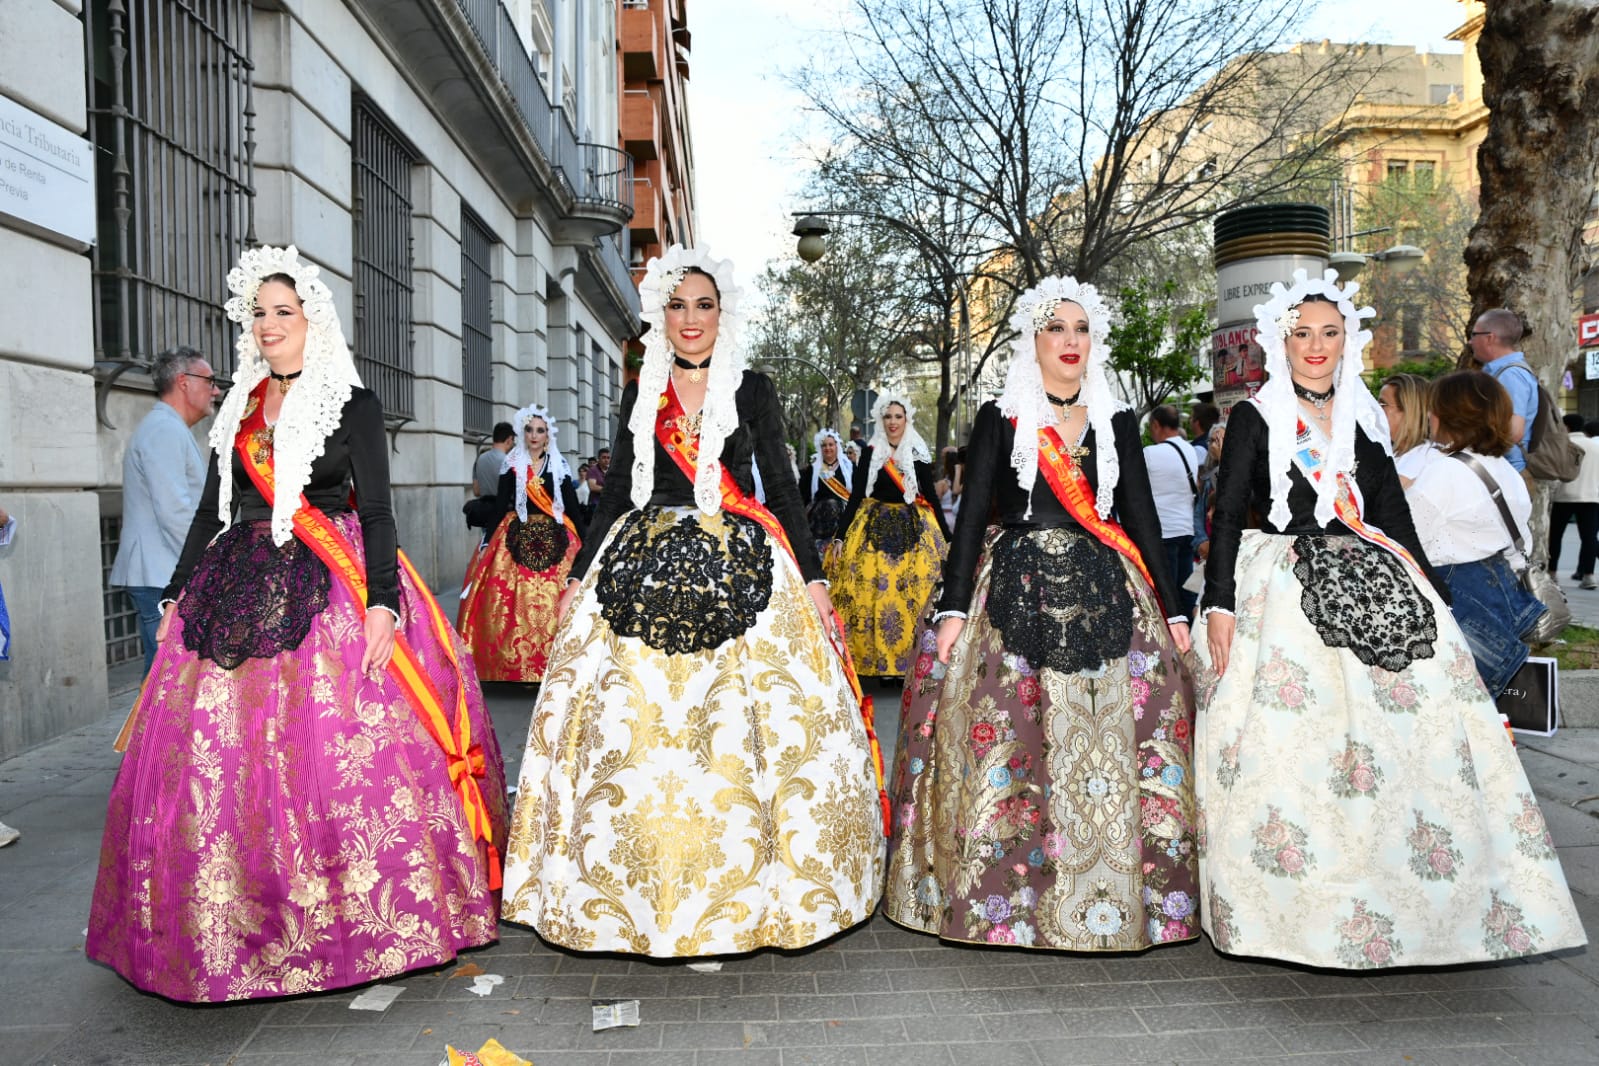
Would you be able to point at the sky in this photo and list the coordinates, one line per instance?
(746, 119)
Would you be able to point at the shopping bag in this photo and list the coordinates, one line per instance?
(1532, 699)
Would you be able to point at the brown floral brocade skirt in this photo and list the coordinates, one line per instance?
(1040, 807)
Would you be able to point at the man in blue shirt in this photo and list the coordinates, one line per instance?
(1495, 341)
(163, 473)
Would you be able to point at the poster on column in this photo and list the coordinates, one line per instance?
(1238, 366)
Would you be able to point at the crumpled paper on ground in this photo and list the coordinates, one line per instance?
(491, 1054)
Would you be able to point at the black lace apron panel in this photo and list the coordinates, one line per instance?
(1059, 599)
(251, 599)
(1359, 597)
(892, 528)
(537, 544)
(685, 582)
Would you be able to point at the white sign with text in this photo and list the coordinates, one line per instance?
(46, 174)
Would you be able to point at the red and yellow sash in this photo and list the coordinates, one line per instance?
(834, 483)
(1072, 489)
(898, 479)
(684, 449)
(1347, 508)
(463, 756)
(543, 501)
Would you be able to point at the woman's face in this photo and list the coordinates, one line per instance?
(692, 316)
(829, 451)
(1218, 438)
(1388, 400)
(1315, 345)
(1063, 347)
(279, 325)
(894, 423)
(536, 435)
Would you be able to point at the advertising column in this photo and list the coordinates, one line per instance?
(1255, 246)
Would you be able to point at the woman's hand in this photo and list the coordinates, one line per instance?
(1180, 636)
(1219, 628)
(834, 549)
(567, 597)
(379, 640)
(949, 631)
(165, 627)
(824, 607)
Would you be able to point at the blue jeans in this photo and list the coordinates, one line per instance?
(147, 602)
(1493, 610)
(1180, 564)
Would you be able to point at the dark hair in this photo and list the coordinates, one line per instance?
(503, 431)
(1574, 423)
(1166, 416)
(1205, 416)
(952, 460)
(286, 279)
(1317, 298)
(1592, 428)
(602, 451)
(171, 365)
(1473, 411)
(707, 276)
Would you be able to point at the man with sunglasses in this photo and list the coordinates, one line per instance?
(163, 472)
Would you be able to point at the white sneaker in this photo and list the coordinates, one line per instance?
(1589, 582)
(8, 835)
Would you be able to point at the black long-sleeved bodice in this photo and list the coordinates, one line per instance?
(358, 451)
(1243, 482)
(759, 434)
(505, 498)
(993, 491)
(886, 492)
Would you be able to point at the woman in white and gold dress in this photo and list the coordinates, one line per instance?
(699, 779)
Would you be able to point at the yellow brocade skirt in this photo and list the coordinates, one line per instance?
(882, 579)
(697, 778)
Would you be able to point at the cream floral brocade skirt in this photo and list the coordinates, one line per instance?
(697, 779)
(1357, 815)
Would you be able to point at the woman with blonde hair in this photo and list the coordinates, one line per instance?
(1403, 399)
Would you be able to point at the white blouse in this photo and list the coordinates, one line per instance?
(1457, 520)
(1417, 459)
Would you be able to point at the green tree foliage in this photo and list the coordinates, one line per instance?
(1156, 344)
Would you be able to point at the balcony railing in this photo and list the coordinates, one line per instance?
(591, 175)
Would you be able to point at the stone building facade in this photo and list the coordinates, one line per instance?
(454, 166)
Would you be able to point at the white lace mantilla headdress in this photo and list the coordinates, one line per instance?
(662, 276)
(311, 409)
(911, 446)
(846, 469)
(1275, 319)
(1025, 400)
(518, 460)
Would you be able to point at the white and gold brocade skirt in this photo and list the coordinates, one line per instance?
(697, 779)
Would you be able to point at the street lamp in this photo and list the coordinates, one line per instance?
(812, 233)
(1402, 258)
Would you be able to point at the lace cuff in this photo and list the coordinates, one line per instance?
(822, 581)
(1208, 611)
(385, 607)
(162, 605)
(941, 615)
(1180, 618)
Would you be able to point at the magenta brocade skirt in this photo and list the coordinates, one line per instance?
(288, 825)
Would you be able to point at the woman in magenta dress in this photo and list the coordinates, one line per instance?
(312, 793)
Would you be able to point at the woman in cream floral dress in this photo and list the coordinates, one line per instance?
(1362, 806)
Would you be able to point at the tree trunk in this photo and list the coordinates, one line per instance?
(1538, 166)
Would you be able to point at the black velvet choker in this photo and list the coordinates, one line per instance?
(696, 370)
(1318, 400)
(284, 380)
(1068, 402)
